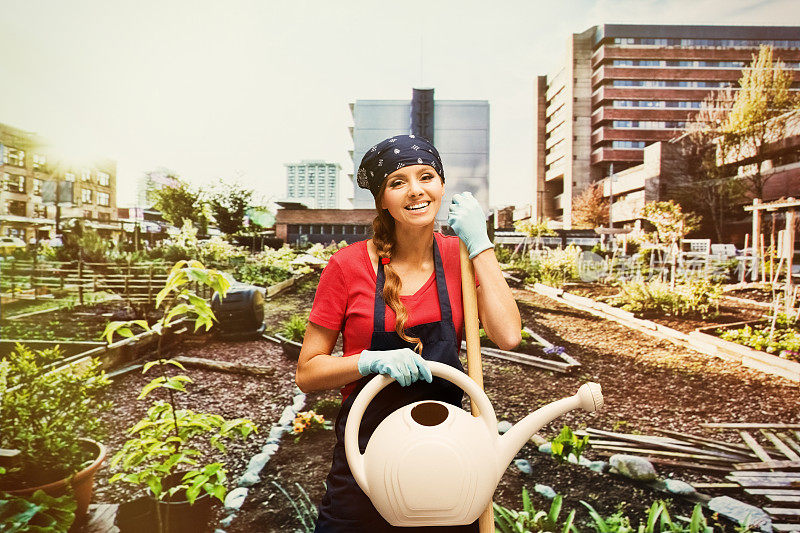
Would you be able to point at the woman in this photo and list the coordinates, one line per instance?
(415, 272)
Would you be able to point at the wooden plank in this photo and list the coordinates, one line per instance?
(770, 465)
(785, 437)
(786, 492)
(748, 425)
(668, 453)
(763, 483)
(785, 527)
(643, 439)
(782, 498)
(715, 486)
(721, 445)
(781, 446)
(101, 518)
(782, 511)
(750, 475)
(681, 464)
(755, 446)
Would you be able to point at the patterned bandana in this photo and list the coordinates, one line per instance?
(393, 154)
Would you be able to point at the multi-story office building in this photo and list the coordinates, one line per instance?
(623, 87)
(41, 190)
(458, 128)
(314, 183)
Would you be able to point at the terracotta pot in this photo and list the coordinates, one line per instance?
(82, 482)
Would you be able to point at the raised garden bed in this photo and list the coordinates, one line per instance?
(708, 339)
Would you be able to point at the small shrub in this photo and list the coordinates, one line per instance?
(294, 328)
(555, 267)
(567, 443)
(327, 407)
(37, 512)
(698, 297)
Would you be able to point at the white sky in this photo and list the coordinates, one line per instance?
(236, 89)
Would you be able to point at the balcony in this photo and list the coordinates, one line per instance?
(606, 114)
(613, 155)
(610, 52)
(632, 134)
(607, 93)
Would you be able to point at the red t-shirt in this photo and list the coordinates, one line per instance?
(345, 298)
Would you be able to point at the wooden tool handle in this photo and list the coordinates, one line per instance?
(469, 296)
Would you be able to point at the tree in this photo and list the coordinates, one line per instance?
(179, 203)
(758, 116)
(590, 209)
(229, 203)
(697, 181)
(671, 224)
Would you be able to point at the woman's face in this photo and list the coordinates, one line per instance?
(413, 195)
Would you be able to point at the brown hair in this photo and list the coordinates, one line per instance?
(384, 239)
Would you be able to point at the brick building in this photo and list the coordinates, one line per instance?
(624, 87)
(33, 175)
(296, 224)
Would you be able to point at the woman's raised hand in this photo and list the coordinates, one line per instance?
(468, 221)
(404, 365)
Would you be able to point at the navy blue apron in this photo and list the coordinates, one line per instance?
(345, 508)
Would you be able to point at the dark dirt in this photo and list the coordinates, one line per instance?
(647, 384)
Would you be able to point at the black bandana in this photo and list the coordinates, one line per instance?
(393, 154)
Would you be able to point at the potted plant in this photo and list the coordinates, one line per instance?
(291, 334)
(162, 453)
(51, 416)
(37, 512)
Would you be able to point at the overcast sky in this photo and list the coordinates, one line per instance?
(236, 89)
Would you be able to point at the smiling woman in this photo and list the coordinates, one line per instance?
(396, 299)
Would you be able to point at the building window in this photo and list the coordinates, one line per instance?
(86, 196)
(12, 156)
(103, 179)
(69, 176)
(86, 175)
(635, 145)
(13, 183)
(104, 217)
(39, 211)
(103, 198)
(88, 215)
(39, 161)
(37, 187)
(14, 207)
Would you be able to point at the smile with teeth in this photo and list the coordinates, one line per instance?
(417, 206)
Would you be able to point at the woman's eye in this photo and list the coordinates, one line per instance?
(426, 177)
(396, 183)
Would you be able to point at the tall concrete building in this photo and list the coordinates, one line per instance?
(42, 189)
(623, 87)
(458, 128)
(314, 183)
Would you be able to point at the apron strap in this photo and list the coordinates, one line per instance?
(379, 314)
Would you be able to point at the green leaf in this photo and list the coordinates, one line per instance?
(147, 389)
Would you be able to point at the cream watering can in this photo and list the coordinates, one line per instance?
(431, 463)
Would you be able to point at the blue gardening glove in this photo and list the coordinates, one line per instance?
(468, 221)
(404, 365)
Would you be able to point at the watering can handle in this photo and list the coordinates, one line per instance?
(354, 457)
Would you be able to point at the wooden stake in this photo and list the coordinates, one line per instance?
(474, 365)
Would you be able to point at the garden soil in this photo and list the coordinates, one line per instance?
(647, 383)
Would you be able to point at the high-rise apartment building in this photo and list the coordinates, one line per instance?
(41, 189)
(314, 183)
(623, 87)
(458, 128)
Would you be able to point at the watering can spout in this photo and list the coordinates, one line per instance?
(588, 397)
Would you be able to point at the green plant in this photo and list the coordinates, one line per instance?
(657, 520)
(305, 510)
(529, 519)
(486, 341)
(162, 442)
(294, 328)
(44, 410)
(327, 407)
(567, 443)
(555, 267)
(37, 513)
